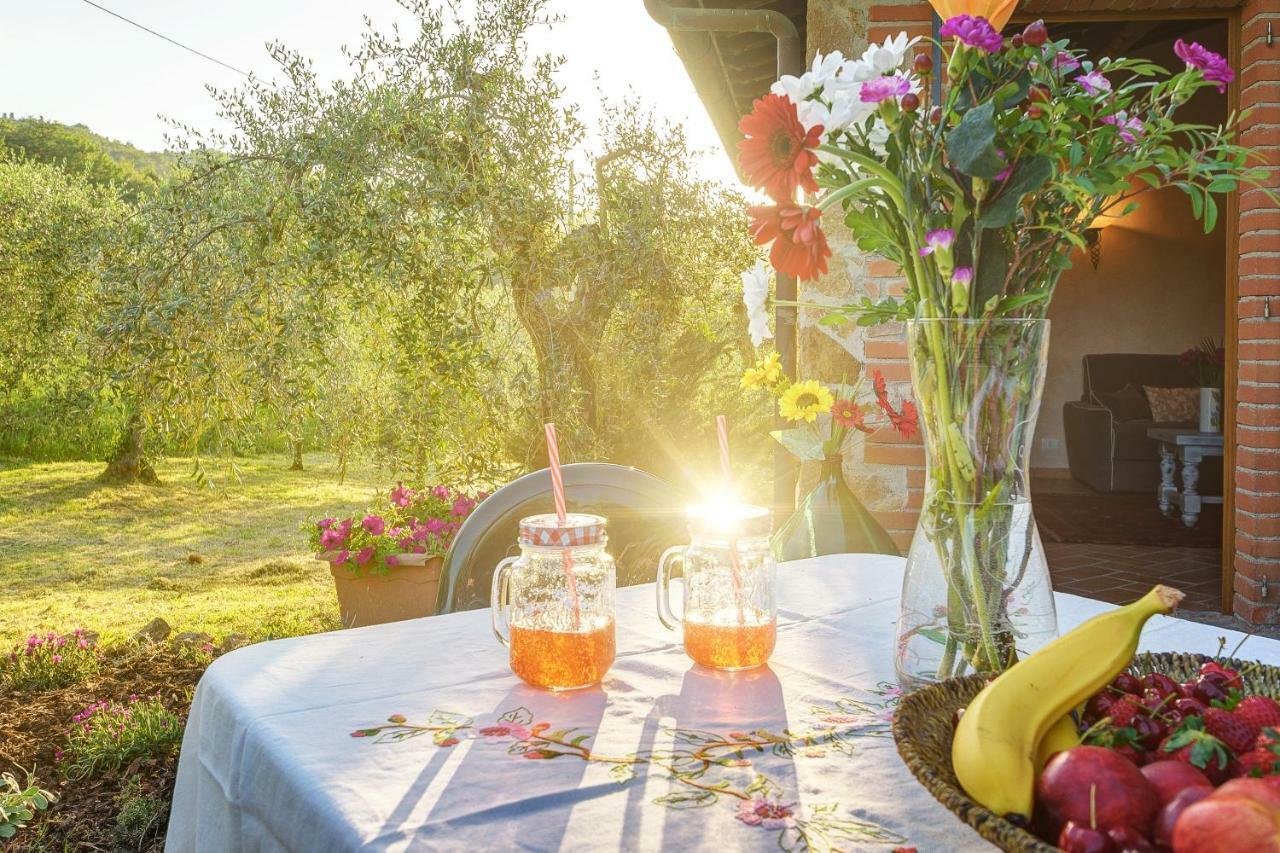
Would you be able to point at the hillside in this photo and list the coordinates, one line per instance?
(77, 148)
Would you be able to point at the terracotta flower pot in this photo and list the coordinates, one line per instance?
(407, 591)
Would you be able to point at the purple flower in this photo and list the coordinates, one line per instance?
(442, 492)
(57, 659)
(883, 88)
(364, 555)
(1094, 82)
(343, 556)
(1213, 66)
(1065, 63)
(962, 275)
(938, 240)
(1006, 171)
(324, 523)
(1130, 128)
(392, 561)
(975, 32)
(463, 506)
(400, 496)
(374, 524)
(333, 538)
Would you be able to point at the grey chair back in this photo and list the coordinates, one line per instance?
(645, 515)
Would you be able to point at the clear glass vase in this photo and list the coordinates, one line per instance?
(976, 596)
(831, 520)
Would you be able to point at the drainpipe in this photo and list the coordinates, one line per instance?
(790, 61)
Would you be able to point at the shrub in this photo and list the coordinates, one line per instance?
(108, 735)
(19, 803)
(141, 816)
(51, 660)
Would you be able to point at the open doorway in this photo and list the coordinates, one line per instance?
(1152, 287)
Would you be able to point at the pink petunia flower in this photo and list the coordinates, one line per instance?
(766, 813)
(400, 496)
(1213, 66)
(364, 555)
(1095, 83)
(374, 524)
(392, 561)
(342, 557)
(880, 89)
(333, 538)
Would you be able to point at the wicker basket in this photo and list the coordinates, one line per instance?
(922, 729)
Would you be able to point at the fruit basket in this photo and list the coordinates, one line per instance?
(922, 729)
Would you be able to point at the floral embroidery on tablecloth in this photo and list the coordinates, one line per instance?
(709, 768)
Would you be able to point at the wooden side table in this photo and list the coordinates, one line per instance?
(1190, 447)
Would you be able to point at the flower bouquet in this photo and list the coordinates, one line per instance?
(386, 565)
(977, 178)
(1209, 361)
(830, 519)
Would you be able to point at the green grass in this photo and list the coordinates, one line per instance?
(228, 559)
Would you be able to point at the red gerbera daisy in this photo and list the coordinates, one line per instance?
(799, 246)
(906, 422)
(849, 415)
(775, 154)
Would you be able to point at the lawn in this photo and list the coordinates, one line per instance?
(223, 559)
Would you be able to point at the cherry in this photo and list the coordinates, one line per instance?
(1035, 34)
(1078, 838)
(1207, 690)
(1015, 41)
(1149, 731)
(1161, 683)
(1127, 682)
(1189, 707)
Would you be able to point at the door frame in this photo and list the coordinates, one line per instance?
(1230, 220)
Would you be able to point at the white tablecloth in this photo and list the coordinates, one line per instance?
(665, 756)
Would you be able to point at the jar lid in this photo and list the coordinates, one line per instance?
(729, 521)
(579, 528)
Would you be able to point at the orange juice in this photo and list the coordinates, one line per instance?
(727, 644)
(562, 660)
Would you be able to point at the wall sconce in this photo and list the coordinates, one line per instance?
(1093, 240)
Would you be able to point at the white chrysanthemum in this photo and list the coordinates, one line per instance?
(819, 75)
(887, 57)
(755, 292)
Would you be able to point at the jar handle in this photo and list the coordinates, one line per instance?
(498, 603)
(665, 563)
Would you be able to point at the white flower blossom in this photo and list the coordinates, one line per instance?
(755, 291)
(819, 75)
(887, 57)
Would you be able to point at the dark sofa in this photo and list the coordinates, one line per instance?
(1106, 429)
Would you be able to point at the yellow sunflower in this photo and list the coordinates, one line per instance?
(804, 401)
(766, 373)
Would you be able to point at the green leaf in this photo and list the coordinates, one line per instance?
(803, 442)
(971, 144)
(687, 799)
(1029, 176)
(992, 265)
(622, 773)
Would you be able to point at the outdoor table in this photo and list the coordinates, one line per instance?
(455, 753)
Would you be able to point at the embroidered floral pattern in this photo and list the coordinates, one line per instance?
(706, 767)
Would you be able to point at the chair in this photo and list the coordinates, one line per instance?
(645, 514)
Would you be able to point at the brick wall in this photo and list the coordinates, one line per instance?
(889, 473)
(1257, 423)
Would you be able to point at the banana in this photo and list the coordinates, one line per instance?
(1061, 735)
(995, 747)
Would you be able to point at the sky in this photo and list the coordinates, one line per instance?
(70, 62)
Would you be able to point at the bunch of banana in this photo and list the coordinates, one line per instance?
(1004, 735)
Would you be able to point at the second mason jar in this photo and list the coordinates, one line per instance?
(730, 610)
(553, 605)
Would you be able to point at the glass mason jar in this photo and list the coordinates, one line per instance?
(730, 613)
(976, 596)
(552, 605)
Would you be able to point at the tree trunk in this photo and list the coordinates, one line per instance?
(297, 455)
(130, 464)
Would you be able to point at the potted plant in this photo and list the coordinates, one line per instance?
(1208, 360)
(386, 565)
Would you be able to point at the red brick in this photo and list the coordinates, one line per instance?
(896, 288)
(1259, 330)
(1258, 393)
(1248, 308)
(1256, 27)
(1257, 525)
(1261, 264)
(1246, 587)
(910, 12)
(897, 520)
(1251, 371)
(1259, 241)
(1256, 568)
(879, 34)
(1251, 611)
(1262, 218)
(891, 454)
(889, 435)
(902, 538)
(1263, 285)
(1252, 437)
(1259, 350)
(887, 349)
(1251, 74)
(883, 268)
(1259, 416)
(1262, 460)
(1250, 547)
(897, 371)
(1262, 503)
(915, 478)
(1258, 51)
(1257, 481)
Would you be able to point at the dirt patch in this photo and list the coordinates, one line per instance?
(117, 810)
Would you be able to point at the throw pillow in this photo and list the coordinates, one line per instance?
(1127, 404)
(1171, 405)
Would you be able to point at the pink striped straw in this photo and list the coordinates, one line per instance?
(557, 492)
(722, 433)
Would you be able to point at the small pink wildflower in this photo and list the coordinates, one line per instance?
(766, 813)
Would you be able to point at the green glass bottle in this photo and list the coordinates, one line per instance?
(831, 520)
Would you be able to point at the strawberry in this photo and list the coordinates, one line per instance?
(1214, 669)
(1123, 710)
(1235, 732)
(1263, 712)
(1192, 744)
(1260, 762)
(1268, 737)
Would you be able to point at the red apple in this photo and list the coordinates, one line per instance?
(1168, 816)
(1087, 782)
(1233, 822)
(1250, 789)
(1169, 778)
